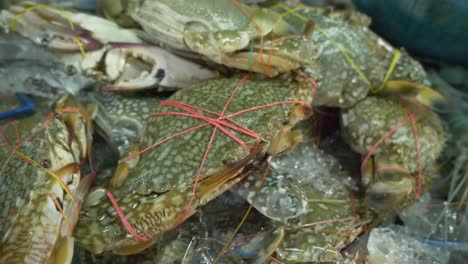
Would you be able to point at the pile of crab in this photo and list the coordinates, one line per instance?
(209, 131)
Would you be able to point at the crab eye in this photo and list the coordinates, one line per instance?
(70, 70)
(45, 39)
(160, 74)
(45, 163)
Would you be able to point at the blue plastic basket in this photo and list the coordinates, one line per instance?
(432, 28)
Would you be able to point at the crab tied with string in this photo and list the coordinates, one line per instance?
(41, 182)
(153, 190)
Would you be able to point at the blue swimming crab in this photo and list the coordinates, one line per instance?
(162, 186)
(354, 61)
(400, 140)
(101, 49)
(41, 186)
(222, 31)
(31, 69)
(336, 48)
(308, 193)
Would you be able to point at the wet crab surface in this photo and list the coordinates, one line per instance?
(180, 153)
(41, 185)
(155, 188)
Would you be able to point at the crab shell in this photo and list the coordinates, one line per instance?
(306, 185)
(395, 160)
(154, 189)
(121, 117)
(35, 229)
(109, 53)
(219, 31)
(339, 77)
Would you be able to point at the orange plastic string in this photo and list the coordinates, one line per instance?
(45, 123)
(55, 176)
(52, 9)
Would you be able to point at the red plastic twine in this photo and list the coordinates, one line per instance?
(218, 123)
(124, 219)
(45, 123)
(418, 190)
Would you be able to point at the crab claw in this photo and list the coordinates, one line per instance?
(420, 93)
(384, 177)
(131, 66)
(48, 29)
(262, 245)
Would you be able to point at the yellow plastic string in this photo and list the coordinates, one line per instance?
(290, 11)
(60, 181)
(34, 163)
(60, 12)
(395, 60)
(396, 56)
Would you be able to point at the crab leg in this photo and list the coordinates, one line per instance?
(46, 31)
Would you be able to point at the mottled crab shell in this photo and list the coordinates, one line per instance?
(340, 84)
(33, 230)
(159, 183)
(225, 152)
(166, 21)
(371, 119)
(306, 186)
(217, 30)
(121, 117)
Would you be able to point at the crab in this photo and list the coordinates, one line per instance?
(220, 31)
(154, 189)
(308, 193)
(41, 186)
(401, 142)
(198, 239)
(31, 69)
(335, 48)
(109, 53)
(354, 61)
